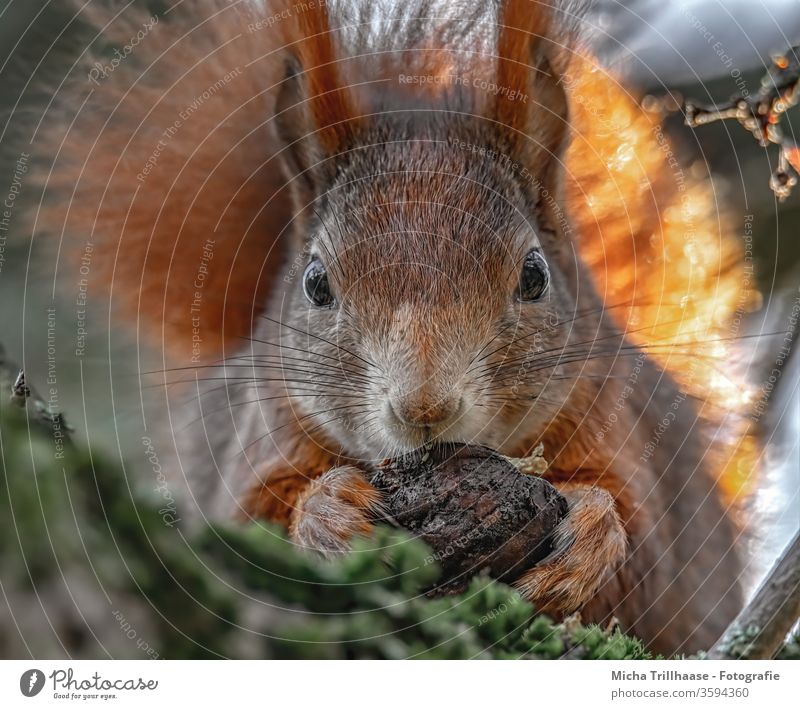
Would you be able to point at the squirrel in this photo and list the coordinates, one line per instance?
(360, 227)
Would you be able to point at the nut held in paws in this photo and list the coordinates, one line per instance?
(474, 507)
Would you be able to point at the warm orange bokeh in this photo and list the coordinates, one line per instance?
(662, 242)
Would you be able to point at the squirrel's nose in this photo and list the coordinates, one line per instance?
(419, 411)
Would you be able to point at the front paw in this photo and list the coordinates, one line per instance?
(336, 506)
(589, 545)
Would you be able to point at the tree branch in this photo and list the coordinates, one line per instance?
(761, 627)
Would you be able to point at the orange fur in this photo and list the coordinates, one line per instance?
(213, 176)
(524, 25)
(275, 497)
(591, 545)
(333, 509)
(332, 106)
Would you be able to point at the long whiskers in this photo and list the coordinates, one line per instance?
(317, 337)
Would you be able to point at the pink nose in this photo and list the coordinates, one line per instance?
(418, 411)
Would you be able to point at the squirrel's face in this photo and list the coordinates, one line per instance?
(438, 286)
(431, 296)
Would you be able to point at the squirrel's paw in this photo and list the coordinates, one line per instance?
(336, 506)
(589, 545)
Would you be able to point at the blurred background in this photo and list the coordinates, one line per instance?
(708, 50)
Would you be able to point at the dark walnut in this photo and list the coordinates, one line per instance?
(475, 508)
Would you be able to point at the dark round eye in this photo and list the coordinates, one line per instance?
(534, 277)
(315, 285)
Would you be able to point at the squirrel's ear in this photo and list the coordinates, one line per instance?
(315, 111)
(534, 46)
(302, 151)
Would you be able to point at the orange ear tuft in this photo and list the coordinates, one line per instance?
(524, 25)
(332, 105)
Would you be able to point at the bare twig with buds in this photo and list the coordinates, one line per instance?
(761, 114)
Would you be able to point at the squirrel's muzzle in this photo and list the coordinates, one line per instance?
(421, 410)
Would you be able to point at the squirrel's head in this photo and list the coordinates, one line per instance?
(435, 279)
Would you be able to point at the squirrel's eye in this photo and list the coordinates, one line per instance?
(315, 285)
(534, 278)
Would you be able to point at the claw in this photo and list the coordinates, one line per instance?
(338, 505)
